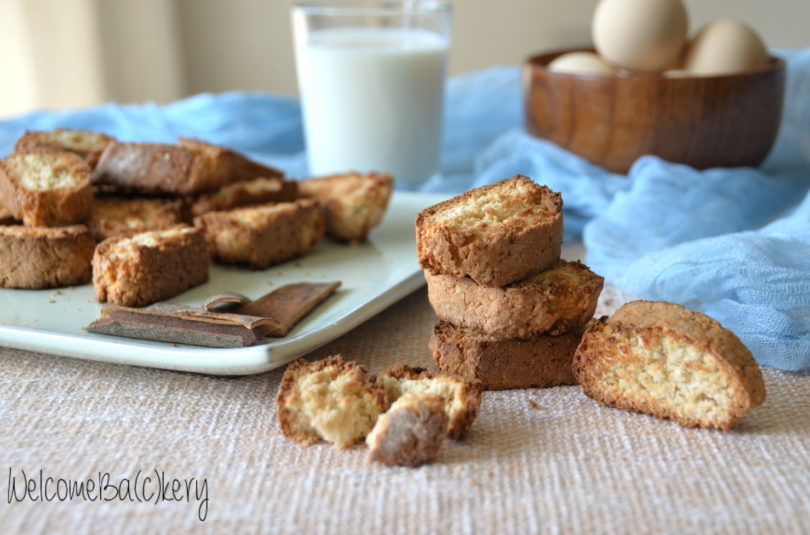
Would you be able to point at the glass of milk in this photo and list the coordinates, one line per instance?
(371, 78)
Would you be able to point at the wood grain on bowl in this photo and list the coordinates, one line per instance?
(706, 121)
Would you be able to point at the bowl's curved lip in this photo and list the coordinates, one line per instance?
(539, 62)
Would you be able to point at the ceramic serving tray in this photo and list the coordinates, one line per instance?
(374, 275)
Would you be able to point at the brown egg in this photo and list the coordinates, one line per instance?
(725, 47)
(640, 35)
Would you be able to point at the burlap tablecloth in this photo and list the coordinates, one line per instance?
(549, 461)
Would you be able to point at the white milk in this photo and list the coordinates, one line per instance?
(372, 100)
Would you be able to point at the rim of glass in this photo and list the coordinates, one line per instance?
(377, 7)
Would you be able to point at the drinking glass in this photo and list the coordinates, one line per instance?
(371, 79)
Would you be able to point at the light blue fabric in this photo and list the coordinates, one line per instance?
(733, 243)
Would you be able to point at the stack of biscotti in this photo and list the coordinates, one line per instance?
(511, 312)
(47, 195)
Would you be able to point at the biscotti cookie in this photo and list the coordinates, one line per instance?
(227, 164)
(461, 395)
(410, 433)
(115, 216)
(88, 145)
(665, 360)
(249, 192)
(502, 363)
(151, 266)
(496, 234)
(46, 189)
(156, 168)
(261, 236)
(550, 302)
(354, 202)
(39, 257)
(328, 400)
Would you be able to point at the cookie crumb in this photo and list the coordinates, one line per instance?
(533, 404)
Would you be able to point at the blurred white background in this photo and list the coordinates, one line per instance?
(66, 53)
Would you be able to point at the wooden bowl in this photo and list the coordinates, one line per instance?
(702, 121)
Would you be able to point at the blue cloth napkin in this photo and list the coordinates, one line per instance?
(733, 243)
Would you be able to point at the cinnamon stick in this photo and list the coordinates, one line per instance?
(177, 327)
(287, 305)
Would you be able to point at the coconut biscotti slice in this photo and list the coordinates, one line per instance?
(40, 257)
(116, 216)
(329, 400)
(46, 189)
(151, 266)
(260, 236)
(550, 302)
(246, 193)
(667, 361)
(354, 203)
(155, 168)
(502, 363)
(89, 145)
(496, 234)
(461, 395)
(227, 164)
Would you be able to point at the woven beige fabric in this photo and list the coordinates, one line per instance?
(548, 461)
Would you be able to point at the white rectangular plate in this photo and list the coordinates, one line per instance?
(374, 275)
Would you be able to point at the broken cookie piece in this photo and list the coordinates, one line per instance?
(461, 396)
(410, 433)
(328, 400)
